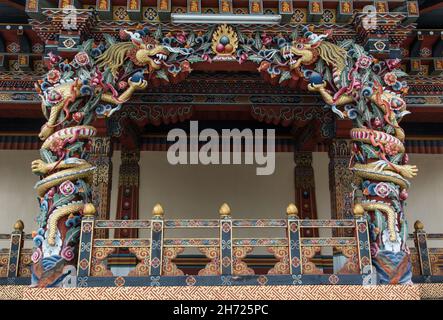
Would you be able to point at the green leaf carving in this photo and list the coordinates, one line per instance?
(258, 43)
(72, 235)
(370, 151)
(194, 59)
(397, 158)
(191, 38)
(255, 58)
(47, 156)
(399, 73)
(110, 40)
(284, 76)
(162, 75)
(62, 200)
(158, 33)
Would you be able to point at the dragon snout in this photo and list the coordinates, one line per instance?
(159, 58)
(45, 132)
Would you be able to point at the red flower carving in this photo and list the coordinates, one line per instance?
(82, 58)
(53, 76)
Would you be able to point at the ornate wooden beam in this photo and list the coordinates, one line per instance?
(128, 191)
(128, 182)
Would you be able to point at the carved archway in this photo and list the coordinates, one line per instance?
(103, 76)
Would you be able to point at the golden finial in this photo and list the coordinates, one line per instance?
(358, 210)
(224, 210)
(158, 210)
(292, 210)
(89, 210)
(19, 225)
(418, 225)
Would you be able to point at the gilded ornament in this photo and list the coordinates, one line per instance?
(224, 42)
(19, 225)
(292, 210)
(158, 210)
(225, 210)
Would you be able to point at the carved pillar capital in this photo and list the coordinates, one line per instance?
(340, 148)
(304, 176)
(101, 146)
(129, 168)
(100, 156)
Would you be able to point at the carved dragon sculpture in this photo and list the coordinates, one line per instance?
(98, 80)
(371, 93)
(71, 93)
(102, 77)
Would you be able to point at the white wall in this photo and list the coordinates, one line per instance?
(198, 191)
(18, 199)
(320, 163)
(425, 202)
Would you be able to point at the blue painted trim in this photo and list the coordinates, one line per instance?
(226, 259)
(217, 280)
(427, 279)
(156, 246)
(249, 280)
(15, 281)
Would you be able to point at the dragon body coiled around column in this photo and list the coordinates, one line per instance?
(369, 92)
(101, 77)
(98, 80)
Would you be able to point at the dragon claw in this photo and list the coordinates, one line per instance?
(408, 171)
(316, 87)
(138, 85)
(39, 167)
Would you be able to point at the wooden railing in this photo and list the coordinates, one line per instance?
(426, 260)
(226, 252)
(15, 261)
(224, 249)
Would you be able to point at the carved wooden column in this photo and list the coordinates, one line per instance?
(305, 189)
(340, 179)
(101, 154)
(128, 191)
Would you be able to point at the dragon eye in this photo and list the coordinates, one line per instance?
(299, 46)
(150, 46)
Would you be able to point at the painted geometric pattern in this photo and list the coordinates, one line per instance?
(12, 292)
(415, 262)
(436, 259)
(151, 14)
(314, 292)
(431, 291)
(4, 258)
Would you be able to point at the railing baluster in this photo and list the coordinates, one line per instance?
(226, 261)
(293, 234)
(421, 244)
(156, 240)
(15, 249)
(86, 239)
(362, 235)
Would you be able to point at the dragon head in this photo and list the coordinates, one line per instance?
(307, 50)
(300, 52)
(149, 54)
(143, 51)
